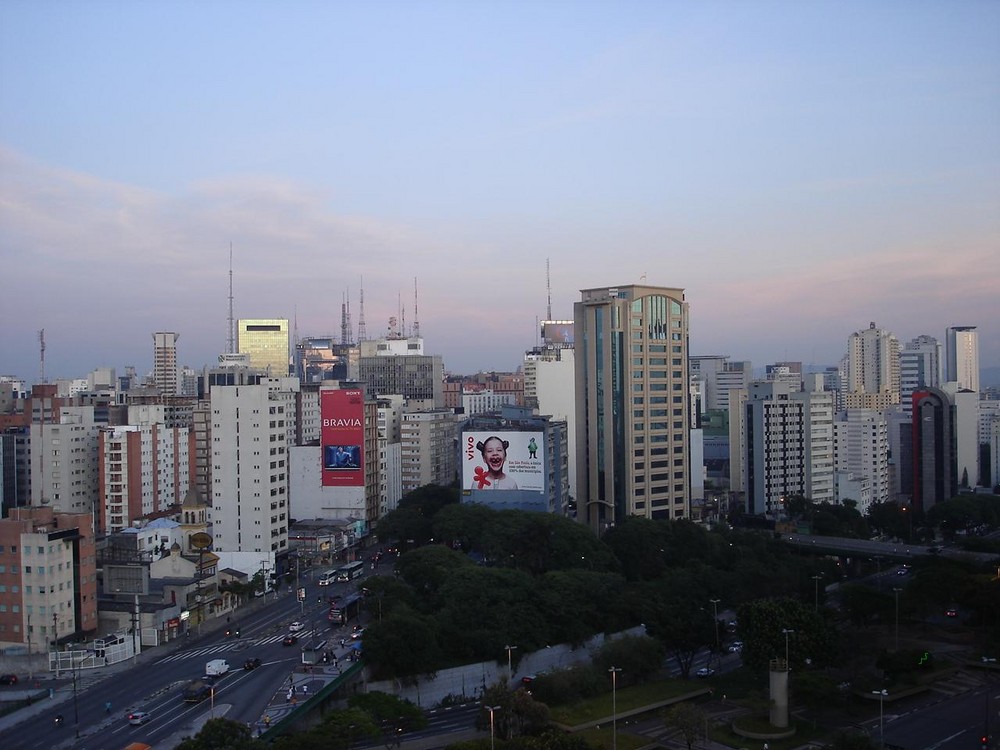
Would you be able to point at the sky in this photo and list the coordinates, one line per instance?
(800, 169)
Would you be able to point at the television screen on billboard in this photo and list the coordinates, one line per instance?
(503, 460)
(339, 457)
(342, 434)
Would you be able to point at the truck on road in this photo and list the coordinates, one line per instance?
(216, 667)
(197, 691)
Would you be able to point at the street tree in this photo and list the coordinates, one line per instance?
(687, 719)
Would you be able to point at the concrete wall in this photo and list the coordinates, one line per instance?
(469, 681)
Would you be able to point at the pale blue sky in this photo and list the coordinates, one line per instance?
(800, 168)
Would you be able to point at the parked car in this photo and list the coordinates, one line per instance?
(296, 627)
(251, 663)
(704, 672)
(736, 647)
(8, 679)
(137, 718)
(290, 640)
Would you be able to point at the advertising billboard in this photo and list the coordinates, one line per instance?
(342, 436)
(503, 460)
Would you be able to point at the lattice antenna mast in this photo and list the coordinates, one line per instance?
(548, 289)
(362, 333)
(343, 320)
(231, 324)
(41, 355)
(402, 314)
(416, 320)
(350, 325)
(295, 328)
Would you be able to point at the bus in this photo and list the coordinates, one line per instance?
(345, 610)
(351, 571)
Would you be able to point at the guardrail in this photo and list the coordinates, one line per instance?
(286, 722)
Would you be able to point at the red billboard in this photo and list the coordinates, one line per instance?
(342, 437)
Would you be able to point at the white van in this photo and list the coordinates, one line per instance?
(327, 578)
(216, 667)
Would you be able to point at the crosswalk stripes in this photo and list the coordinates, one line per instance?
(223, 647)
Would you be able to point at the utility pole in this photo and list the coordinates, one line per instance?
(55, 641)
(135, 631)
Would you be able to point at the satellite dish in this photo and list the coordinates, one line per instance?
(201, 540)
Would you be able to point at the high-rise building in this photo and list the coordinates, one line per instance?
(872, 369)
(962, 345)
(862, 449)
(266, 341)
(920, 365)
(632, 405)
(250, 439)
(166, 375)
(394, 366)
(789, 446)
(64, 466)
(427, 440)
(935, 477)
(548, 387)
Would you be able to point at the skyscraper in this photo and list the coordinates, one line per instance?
(266, 341)
(962, 345)
(872, 369)
(632, 406)
(165, 372)
(920, 365)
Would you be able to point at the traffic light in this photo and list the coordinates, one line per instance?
(984, 742)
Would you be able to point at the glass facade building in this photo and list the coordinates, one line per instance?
(632, 410)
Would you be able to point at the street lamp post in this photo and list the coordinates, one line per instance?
(816, 592)
(510, 673)
(787, 632)
(76, 711)
(614, 706)
(895, 592)
(491, 709)
(715, 613)
(882, 694)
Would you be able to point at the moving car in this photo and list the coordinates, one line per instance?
(290, 640)
(704, 672)
(251, 663)
(216, 667)
(296, 627)
(8, 679)
(233, 631)
(138, 718)
(736, 647)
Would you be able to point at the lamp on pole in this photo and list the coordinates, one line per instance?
(715, 611)
(491, 709)
(510, 673)
(882, 695)
(816, 591)
(55, 640)
(614, 706)
(895, 592)
(76, 711)
(787, 632)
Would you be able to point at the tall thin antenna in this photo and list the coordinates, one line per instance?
(416, 320)
(350, 326)
(295, 328)
(343, 320)
(41, 352)
(231, 326)
(548, 289)
(402, 314)
(362, 333)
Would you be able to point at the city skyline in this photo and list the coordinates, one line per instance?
(798, 169)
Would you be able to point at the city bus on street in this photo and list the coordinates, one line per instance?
(351, 571)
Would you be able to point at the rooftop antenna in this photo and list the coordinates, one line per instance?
(362, 333)
(402, 314)
(548, 289)
(350, 326)
(295, 328)
(41, 351)
(231, 325)
(416, 320)
(343, 320)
